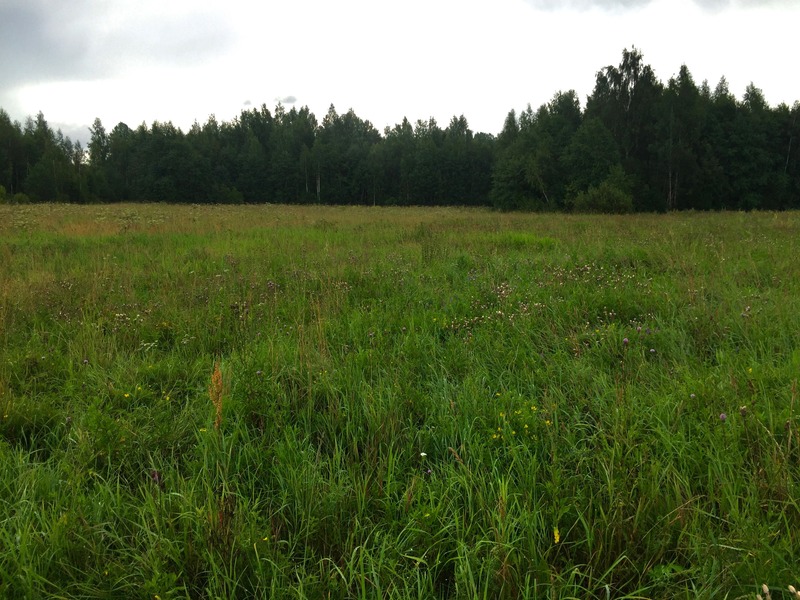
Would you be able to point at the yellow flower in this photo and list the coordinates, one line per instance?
(127, 395)
(547, 422)
(556, 535)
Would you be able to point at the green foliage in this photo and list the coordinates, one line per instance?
(611, 196)
(591, 154)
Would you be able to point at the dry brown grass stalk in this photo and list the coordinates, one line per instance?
(215, 392)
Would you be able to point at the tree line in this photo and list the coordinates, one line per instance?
(637, 145)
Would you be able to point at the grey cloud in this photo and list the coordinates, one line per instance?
(45, 40)
(287, 100)
(32, 44)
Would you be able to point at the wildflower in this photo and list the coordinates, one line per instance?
(692, 396)
(652, 350)
(723, 417)
(743, 411)
(423, 454)
(548, 422)
(624, 341)
(556, 535)
(126, 395)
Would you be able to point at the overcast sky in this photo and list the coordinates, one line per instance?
(182, 60)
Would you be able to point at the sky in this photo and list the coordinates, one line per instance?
(183, 60)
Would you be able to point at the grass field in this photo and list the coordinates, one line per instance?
(317, 402)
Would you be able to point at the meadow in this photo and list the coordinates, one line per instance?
(352, 402)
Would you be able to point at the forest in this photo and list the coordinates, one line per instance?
(638, 145)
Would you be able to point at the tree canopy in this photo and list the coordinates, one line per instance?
(638, 145)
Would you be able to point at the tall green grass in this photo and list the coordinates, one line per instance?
(413, 403)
